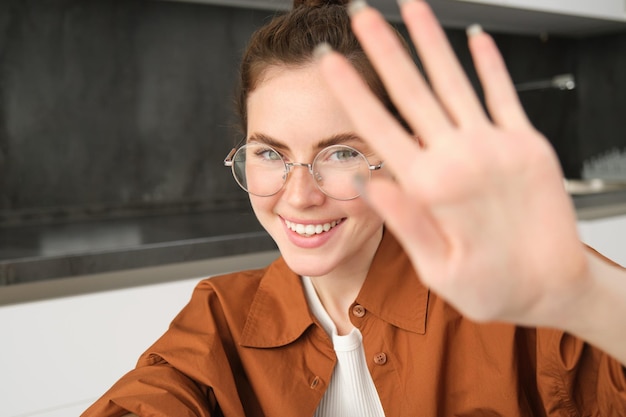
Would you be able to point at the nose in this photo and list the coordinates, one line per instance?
(300, 188)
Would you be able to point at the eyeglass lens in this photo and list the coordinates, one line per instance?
(261, 170)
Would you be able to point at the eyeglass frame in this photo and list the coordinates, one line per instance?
(228, 162)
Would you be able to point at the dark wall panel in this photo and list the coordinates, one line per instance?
(125, 107)
(110, 104)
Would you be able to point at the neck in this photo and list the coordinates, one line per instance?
(337, 296)
(338, 290)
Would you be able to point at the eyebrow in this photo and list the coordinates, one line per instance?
(337, 139)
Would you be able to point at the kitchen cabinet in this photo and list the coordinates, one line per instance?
(606, 235)
(77, 336)
(612, 10)
(571, 18)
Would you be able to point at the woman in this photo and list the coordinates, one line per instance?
(342, 324)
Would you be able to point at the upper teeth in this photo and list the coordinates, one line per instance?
(310, 229)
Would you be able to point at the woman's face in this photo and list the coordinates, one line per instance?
(294, 111)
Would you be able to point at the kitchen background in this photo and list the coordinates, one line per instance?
(114, 108)
(115, 117)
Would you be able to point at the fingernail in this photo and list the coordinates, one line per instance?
(359, 184)
(473, 30)
(356, 6)
(321, 50)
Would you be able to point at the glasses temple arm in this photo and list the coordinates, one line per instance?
(376, 167)
(228, 161)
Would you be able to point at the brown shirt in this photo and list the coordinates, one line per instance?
(248, 345)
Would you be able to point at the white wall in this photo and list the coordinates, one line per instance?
(607, 236)
(58, 355)
(64, 352)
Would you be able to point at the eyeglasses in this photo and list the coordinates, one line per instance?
(261, 170)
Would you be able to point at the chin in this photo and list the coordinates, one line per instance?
(308, 266)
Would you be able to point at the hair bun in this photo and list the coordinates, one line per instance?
(319, 3)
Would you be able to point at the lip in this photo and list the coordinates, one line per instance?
(310, 242)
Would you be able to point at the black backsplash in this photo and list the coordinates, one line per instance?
(125, 107)
(601, 124)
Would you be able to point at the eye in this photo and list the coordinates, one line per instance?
(268, 154)
(343, 154)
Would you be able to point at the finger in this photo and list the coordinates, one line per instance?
(445, 73)
(412, 223)
(371, 120)
(406, 86)
(500, 95)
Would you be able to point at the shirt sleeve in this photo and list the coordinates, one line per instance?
(155, 390)
(184, 373)
(612, 387)
(575, 378)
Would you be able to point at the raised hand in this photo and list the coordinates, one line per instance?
(480, 205)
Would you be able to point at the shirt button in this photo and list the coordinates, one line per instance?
(358, 310)
(380, 358)
(315, 382)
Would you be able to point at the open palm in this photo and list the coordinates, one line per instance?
(479, 205)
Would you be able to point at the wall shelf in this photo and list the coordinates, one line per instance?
(573, 18)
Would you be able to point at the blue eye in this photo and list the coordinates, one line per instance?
(268, 154)
(344, 154)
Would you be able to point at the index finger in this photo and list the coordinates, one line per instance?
(406, 86)
(370, 118)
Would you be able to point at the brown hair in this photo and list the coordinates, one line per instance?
(289, 39)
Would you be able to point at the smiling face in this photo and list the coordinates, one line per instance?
(293, 111)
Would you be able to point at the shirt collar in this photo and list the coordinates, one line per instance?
(392, 290)
(279, 313)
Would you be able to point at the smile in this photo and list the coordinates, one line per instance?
(311, 229)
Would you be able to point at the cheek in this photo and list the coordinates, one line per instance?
(384, 173)
(363, 213)
(262, 207)
(256, 203)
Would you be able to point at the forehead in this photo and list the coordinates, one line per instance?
(295, 106)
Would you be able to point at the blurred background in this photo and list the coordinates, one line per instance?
(115, 117)
(117, 108)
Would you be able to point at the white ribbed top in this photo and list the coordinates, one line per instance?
(351, 391)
